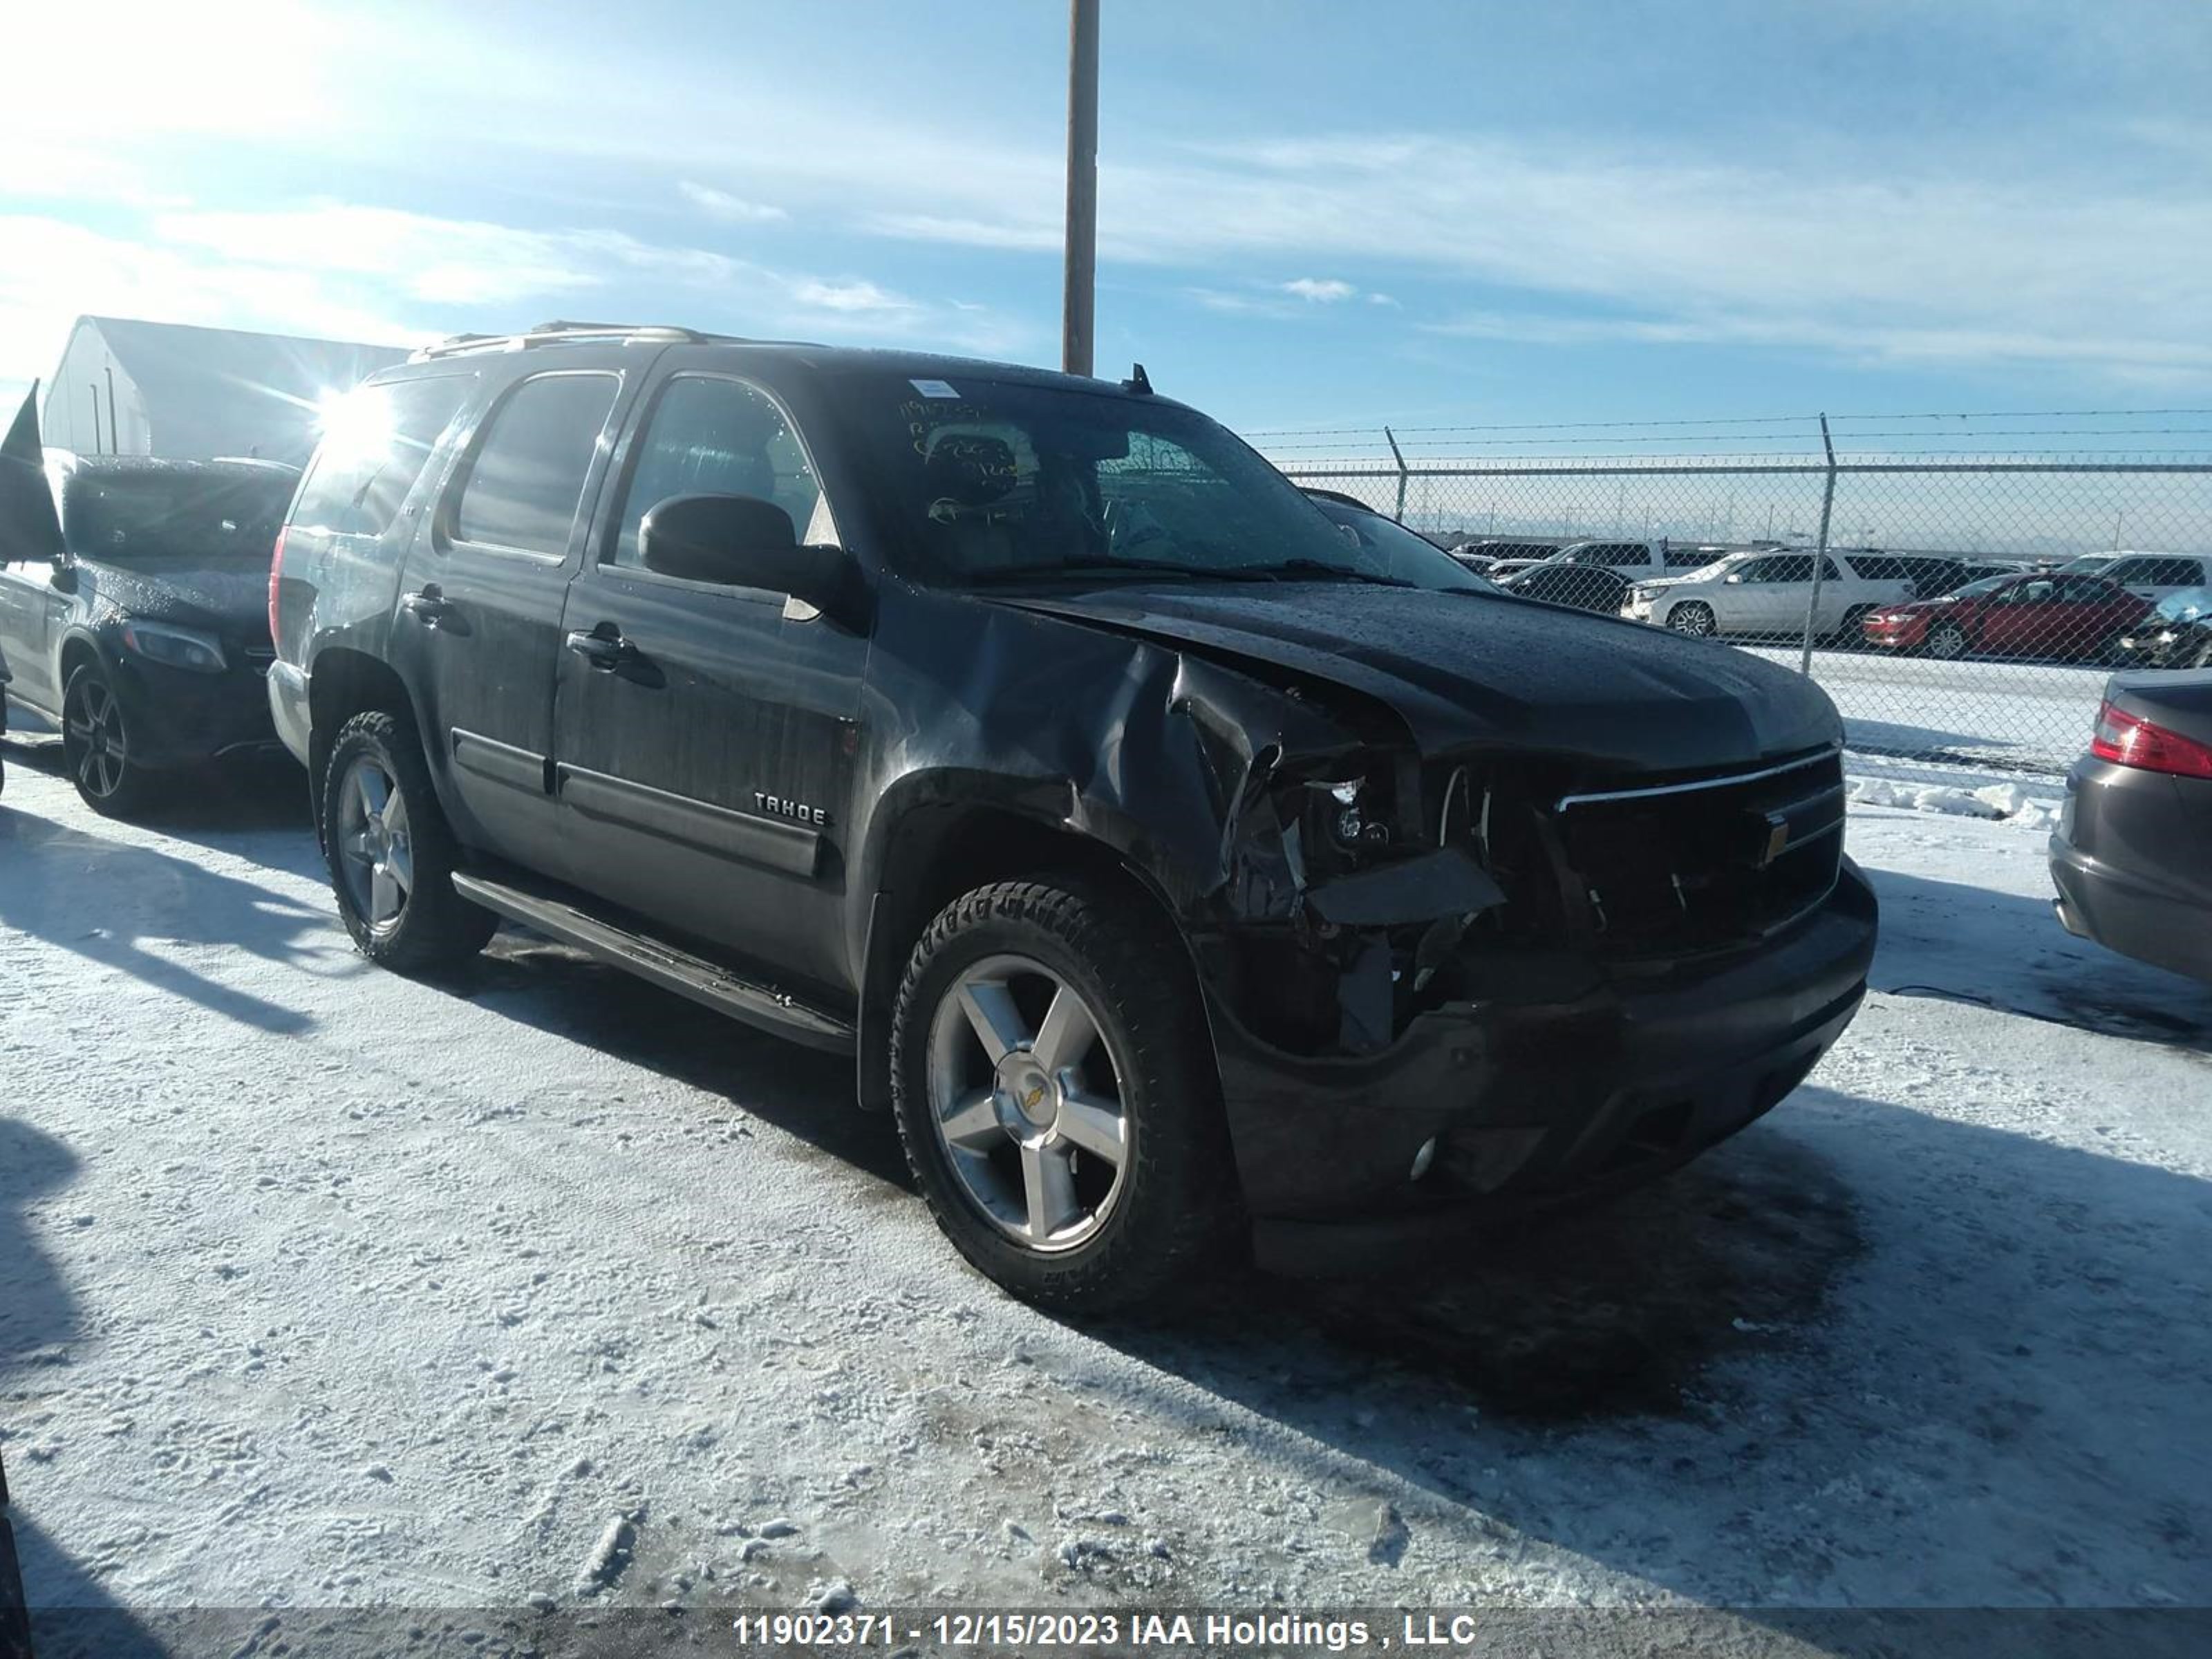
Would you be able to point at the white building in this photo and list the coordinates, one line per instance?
(138, 388)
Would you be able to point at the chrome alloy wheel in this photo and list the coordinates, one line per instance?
(1026, 1099)
(376, 853)
(93, 743)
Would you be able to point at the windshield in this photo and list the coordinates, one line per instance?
(191, 513)
(981, 482)
(1987, 585)
(1706, 573)
(2187, 605)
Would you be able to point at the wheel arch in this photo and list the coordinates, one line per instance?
(937, 849)
(343, 682)
(79, 646)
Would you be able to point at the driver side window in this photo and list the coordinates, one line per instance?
(708, 436)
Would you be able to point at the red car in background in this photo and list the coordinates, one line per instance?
(2045, 614)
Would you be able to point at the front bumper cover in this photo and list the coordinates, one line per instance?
(1587, 1078)
(178, 717)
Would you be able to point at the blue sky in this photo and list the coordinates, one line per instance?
(1311, 213)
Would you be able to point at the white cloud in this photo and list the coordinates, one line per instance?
(1932, 267)
(58, 272)
(732, 209)
(355, 272)
(1321, 290)
(850, 296)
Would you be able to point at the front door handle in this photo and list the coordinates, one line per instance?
(603, 649)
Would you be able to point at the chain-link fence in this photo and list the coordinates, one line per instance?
(1963, 608)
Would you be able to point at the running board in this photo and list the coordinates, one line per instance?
(663, 964)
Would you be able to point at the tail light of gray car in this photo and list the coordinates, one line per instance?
(2128, 739)
(275, 576)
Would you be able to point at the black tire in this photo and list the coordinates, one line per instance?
(1168, 1217)
(433, 926)
(1947, 642)
(1852, 633)
(1694, 618)
(96, 748)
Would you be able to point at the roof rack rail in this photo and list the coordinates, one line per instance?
(560, 329)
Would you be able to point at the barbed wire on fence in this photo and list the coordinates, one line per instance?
(1963, 608)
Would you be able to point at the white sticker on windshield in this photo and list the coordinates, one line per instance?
(934, 389)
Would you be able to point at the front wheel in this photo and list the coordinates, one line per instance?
(390, 855)
(98, 748)
(1692, 616)
(1056, 1095)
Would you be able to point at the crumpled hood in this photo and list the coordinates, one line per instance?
(1480, 670)
(229, 598)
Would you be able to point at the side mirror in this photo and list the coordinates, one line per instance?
(1736, 576)
(742, 541)
(64, 579)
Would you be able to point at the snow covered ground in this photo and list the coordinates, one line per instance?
(323, 1288)
(2022, 716)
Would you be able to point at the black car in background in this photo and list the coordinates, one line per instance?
(1390, 551)
(2177, 633)
(136, 618)
(1482, 553)
(1184, 874)
(1580, 587)
(2132, 855)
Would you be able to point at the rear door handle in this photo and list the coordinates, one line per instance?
(428, 605)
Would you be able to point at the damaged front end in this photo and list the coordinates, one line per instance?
(1496, 979)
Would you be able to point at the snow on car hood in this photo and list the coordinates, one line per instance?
(228, 597)
(1481, 670)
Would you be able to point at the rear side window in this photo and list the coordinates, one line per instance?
(528, 480)
(374, 446)
(2086, 590)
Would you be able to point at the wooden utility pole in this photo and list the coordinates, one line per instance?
(1079, 278)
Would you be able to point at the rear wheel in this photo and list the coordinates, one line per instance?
(1057, 1098)
(1692, 616)
(1853, 632)
(391, 856)
(1947, 642)
(97, 748)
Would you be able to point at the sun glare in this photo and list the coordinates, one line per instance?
(352, 424)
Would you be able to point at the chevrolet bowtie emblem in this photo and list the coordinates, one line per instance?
(1034, 1096)
(1777, 838)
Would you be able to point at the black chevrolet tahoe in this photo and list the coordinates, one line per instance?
(1184, 877)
